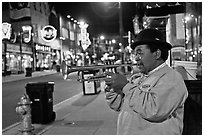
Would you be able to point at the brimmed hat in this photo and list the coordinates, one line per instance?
(151, 36)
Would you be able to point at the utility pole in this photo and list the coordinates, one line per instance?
(121, 30)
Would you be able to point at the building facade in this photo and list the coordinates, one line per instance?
(26, 47)
(181, 23)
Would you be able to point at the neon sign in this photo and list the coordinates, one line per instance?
(48, 33)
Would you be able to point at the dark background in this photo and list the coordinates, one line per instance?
(102, 17)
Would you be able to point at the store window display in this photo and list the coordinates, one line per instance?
(14, 63)
(27, 62)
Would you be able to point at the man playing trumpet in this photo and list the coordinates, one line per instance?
(152, 101)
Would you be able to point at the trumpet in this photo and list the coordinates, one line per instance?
(66, 70)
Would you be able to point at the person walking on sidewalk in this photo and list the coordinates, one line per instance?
(152, 101)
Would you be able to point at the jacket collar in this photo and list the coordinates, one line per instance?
(157, 68)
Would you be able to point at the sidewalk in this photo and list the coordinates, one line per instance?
(95, 118)
(79, 115)
(15, 77)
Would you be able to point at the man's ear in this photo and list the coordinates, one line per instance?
(158, 53)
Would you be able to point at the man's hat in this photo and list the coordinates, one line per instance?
(151, 36)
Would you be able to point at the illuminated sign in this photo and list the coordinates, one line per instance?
(42, 48)
(48, 33)
(85, 41)
(136, 25)
(26, 33)
(6, 30)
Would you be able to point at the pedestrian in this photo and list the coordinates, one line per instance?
(152, 101)
(54, 65)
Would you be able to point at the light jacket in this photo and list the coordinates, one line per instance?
(151, 105)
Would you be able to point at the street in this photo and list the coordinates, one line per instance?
(12, 92)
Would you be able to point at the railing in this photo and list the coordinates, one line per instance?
(193, 108)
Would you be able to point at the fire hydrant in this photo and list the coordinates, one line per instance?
(24, 110)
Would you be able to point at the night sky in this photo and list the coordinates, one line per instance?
(101, 19)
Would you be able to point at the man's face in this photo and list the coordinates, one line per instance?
(145, 59)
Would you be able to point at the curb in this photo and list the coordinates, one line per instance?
(10, 127)
(23, 77)
(13, 129)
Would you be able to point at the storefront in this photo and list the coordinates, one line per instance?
(55, 58)
(43, 57)
(193, 39)
(16, 64)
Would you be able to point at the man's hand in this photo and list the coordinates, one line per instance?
(117, 82)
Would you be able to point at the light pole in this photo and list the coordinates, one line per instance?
(34, 52)
(61, 48)
(5, 59)
(94, 50)
(6, 34)
(120, 23)
(20, 48)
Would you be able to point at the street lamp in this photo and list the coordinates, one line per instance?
(113, 41)
(68, 16)
(102, 37)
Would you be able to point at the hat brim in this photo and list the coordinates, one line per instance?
(161, 45)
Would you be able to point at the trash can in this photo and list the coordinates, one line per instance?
(41, 95)
(58, 68)
(92, 87)
(28, 72)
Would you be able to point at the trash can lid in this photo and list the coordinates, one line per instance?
(39, 83)
(51, 82)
